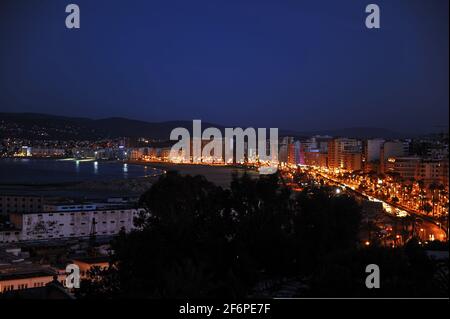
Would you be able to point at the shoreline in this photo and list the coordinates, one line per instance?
(220, 175)
(191, 165)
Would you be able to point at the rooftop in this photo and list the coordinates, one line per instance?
(92, 259)
(23, 275)
(53, 290)
(59, 209)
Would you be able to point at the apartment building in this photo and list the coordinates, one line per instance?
(70, 221)
(17, 203)
(344, 153)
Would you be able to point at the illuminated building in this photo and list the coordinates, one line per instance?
(87, 263)
(371, 154)
(433, 171)
(315, 158)
(33, 279)
(286, 150)
(18, 273)
(427, 170)
(47, 152)
(344, 153)
(291, 159)
(352, 161)
(392, 149)
(407, 167)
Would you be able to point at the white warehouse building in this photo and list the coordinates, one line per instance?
(71, 221)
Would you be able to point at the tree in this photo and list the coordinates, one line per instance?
(433, 187)
(198, 240)
(405, 272)
(441, 193)
(422, 194)
(99, 283)
(427, 208)
(183, 247)
(323, 223)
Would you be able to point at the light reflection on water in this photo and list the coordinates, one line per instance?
(37, 171)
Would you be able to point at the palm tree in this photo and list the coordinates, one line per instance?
(433, 188)
(408, 190)
(427, 208)
(411, 223)
(422, 193)
(441, 193)
(395, 199)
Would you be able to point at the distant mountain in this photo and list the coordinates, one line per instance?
(33, 125)
(359, 132)
(135, 128)
(44, 126)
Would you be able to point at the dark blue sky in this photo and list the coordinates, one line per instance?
(299, 65)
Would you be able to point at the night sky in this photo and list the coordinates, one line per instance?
(301, 65)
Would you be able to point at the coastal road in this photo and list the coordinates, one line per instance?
(428, 228)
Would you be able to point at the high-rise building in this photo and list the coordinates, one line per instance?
(372, 149)
(315, 158)
(406, 167)
(297, 152)
(392, 149)
(352, 161)
(344, 153)
(286, 151)
(433, 171)
(414, 167)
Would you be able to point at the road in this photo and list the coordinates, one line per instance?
(428, 228)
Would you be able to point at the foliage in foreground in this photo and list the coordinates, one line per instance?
(198, 240)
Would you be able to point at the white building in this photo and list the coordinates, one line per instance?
(71, 221)
(372, 149)
(394, 149)
(10, 235)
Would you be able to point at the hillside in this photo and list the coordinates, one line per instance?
(44, 126)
